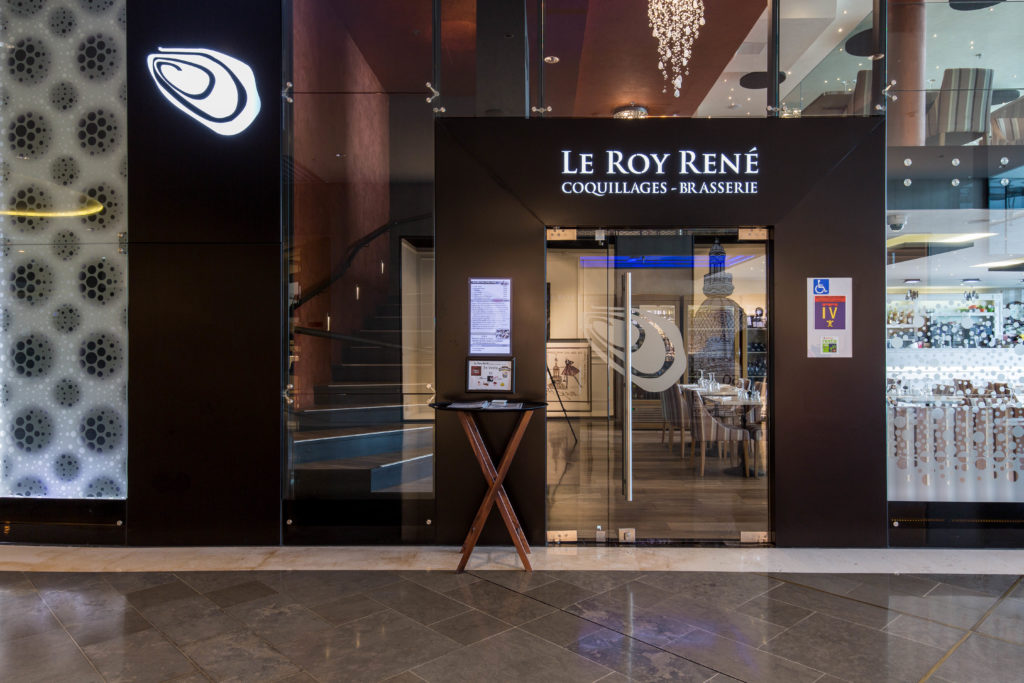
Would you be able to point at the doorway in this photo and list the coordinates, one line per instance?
(680, 452)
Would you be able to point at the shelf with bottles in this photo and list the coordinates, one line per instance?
(973, 320)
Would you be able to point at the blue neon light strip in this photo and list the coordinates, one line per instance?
(657, 261)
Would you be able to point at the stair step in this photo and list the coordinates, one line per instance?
(363, 477)
(343, 443)
(340, 416)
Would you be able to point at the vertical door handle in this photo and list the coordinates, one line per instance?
(627, 403)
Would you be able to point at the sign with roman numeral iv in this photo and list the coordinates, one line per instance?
(829, 317)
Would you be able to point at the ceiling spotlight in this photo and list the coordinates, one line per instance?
(970, 281)
(630, 111)
(551, 59)
(912, 281)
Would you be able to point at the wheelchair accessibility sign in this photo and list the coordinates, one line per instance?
(829, 317)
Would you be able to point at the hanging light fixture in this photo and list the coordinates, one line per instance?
(631, 111)
(675, 24)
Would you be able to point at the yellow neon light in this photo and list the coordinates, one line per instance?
(91, 207)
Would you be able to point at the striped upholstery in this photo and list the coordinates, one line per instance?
(962, 108)
(1008, 123)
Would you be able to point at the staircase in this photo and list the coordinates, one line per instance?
(365, 436)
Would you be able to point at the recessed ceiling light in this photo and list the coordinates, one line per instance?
(970, 281)
(912, 281)
(551, 59)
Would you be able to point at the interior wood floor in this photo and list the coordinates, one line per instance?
(670, 500)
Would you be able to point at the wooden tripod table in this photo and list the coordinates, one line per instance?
(495, 477)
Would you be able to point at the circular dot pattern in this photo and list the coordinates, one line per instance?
(66, 318)
(5, 171)
(103, 487)
(62, 21)
(101, 355)
(29, 199)
(29, 135)
(101, 430)
(67, 467)
(98, 132)
(32, 356)
(98, 57)
(32, 429)
(28, 61)
(5, 394)
(99, 281)
(108, 197)
(5, 319)
(64, 170)
(122, 17)
(30, 487)
(31, 282)
(96, 6)
(66, 245)
(24, 8)
(67, 393)
(63, 96)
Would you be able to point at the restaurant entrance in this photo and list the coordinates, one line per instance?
(679, 451)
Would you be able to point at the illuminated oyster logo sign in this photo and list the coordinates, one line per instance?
(657, 347)
(213, 88)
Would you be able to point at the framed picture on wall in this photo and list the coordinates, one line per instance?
(568, 370)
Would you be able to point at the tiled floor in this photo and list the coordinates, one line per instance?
(509, 626)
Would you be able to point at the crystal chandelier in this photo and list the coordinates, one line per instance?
(675, 24)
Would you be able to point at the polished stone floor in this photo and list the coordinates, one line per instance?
(490, 625)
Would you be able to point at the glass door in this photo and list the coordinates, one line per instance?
(675, 447)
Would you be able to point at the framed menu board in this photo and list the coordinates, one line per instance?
(490, 316)
(490, 374)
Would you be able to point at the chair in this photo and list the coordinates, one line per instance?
(860, 103)
(710, 428)
(675, 414)
(1007, 123)
(961, 112)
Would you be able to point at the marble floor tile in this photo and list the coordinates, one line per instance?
(983, 660)
(61, 581)
(350, 582)
(596, 580)
(45, 658)
(241, 656)
(774, 612)
(518, 581)
(927, 632)
(511, 656)
(206, 582)
(740, 661)
(240, 593)
(989, 584)
(840, 584)
(440, 581)
(501, 603)
(469, 627)
(278, 620)
(103, 627)
(561, 628)
(880, 589)
(417, 602)
(15, 585)
(372, 648)
(559, 593)
(129, 582)
(157, 595)
(637, 660)
(348, 608)
(720, 620)
(25, 615)
(405, 677)
(139, 657)
(190, 619)
(719, 588)
(947, 604)
(832, 605)
(854, 652)
(1006, 621)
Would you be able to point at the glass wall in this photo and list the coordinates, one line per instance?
(955, 253)
(63, 219)
(359, 186)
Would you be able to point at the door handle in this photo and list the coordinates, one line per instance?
(627, 403)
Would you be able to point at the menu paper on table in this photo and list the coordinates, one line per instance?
(490, 316)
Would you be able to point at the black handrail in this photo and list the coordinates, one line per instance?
(350, 256)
